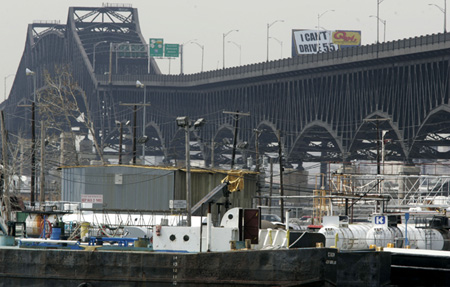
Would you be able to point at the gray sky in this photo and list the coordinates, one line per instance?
(179, 21)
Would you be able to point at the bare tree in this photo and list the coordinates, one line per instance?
(63, 105)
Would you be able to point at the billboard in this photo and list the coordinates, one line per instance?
(322, 41)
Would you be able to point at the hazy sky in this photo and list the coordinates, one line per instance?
(179, 21)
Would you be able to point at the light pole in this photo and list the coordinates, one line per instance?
(5, 83)
(201, 47)
(29, 72)
(181, 54)
(268, 27)
(185, 123)
(223, 44)
(93, 57)
(318, 25)
(141, 85)
(378, 22)
(384, 23)
(443, 10)
(240, 52)
(281, 44)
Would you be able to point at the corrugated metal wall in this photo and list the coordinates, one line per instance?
(147, 187)
(122, 187)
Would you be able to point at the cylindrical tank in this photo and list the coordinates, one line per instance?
(359, 232)
(344, 240)
(351, 237)
(382, 235)
(34, 223)
(425, 238)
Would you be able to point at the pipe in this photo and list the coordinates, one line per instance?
(287, 229)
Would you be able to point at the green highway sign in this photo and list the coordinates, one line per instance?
(132, 51)
(156, 47)
(171, 50)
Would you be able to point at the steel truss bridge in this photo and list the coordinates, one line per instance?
(325, 107)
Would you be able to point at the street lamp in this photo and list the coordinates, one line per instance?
(33, 74)
(223, 44)
(378, 22)
(5, 83)
(141, 85)
(281, 44)
(384, 23)
(201, 47)
(268, 27)
(181, 54)
(318, 25)
(185, 123)
(93, 57)
(443, 10)
(29, 72)
(240, 52)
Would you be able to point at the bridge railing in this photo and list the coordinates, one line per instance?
(374, 51)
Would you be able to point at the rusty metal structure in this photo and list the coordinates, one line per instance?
(327, 107)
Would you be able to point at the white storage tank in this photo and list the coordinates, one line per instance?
(382, 235)
(424, 238)
(359, 232)
(344, 240)
(349, 236)
(384, 231)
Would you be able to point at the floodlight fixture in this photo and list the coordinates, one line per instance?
(199, 123)
(242, 145)
(139, 84)
(143, 139)
(29, 72)
(183, 121)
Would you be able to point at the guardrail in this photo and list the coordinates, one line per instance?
(348, 55)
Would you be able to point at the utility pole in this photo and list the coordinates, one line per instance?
(134, 129)
(110, 63)
(33, 154)
(377, 123)
(5, 198)
(42, 177)
(120, 142)
(258, 187)
(134, 135)
(236, 124)
(270, 185)
(280, 155)
(212, 152)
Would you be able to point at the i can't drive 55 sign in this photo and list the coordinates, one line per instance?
(322, 41)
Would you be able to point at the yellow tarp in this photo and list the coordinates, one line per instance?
(235, 179)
